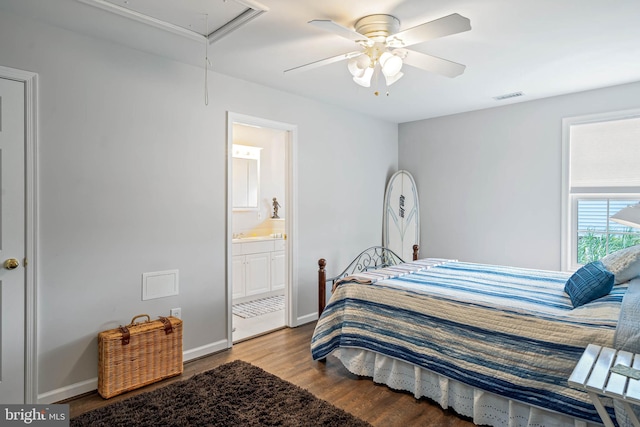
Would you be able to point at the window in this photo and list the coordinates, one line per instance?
(601, 175)
(597, 236)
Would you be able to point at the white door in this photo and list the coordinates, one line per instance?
(12, 241)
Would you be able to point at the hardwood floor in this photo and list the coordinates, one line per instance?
(286, 353)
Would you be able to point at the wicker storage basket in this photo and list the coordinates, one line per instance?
(138, 354)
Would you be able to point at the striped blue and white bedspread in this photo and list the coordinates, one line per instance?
(510, 331)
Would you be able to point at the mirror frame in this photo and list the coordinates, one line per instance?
(249, 153)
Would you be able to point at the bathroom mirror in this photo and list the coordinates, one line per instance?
(246, 177)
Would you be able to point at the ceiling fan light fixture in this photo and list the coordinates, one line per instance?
(365, 79)
(363, 61)
(390, 64)
(358, 65)
(384, 57)
(384, 46)
(355, 71)
(392, 79)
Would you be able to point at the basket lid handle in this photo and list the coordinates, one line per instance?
(138, 316)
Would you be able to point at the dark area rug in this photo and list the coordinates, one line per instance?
(233, 394)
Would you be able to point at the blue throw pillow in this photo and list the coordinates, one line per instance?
(590, 282)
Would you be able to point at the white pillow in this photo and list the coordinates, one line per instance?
(624, 264)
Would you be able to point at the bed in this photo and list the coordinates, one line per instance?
(494, 343)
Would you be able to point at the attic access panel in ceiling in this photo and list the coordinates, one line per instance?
(193, 18)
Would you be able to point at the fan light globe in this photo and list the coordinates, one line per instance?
(385, 57)
(363, 61)
(357, 66)
(354, 69)
(391, 64)
(365, 79)
(392, 79)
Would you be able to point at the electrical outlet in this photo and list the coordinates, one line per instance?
(176, 312)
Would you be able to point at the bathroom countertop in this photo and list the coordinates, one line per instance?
(255, 239)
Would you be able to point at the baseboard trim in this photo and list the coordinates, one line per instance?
(204, 350)
(90, 385)
(307, 319)
(68, 392)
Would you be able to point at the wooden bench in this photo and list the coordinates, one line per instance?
(593, 374)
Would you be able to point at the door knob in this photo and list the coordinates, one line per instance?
(11, 264)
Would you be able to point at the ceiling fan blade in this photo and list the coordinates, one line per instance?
(447, 25)
(325, 61)
(433, 64)
(339, 30)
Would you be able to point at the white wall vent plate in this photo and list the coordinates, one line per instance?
(160, 284)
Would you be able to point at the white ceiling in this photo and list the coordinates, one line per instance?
(539, 47)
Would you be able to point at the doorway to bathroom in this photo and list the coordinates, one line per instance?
(260, 226)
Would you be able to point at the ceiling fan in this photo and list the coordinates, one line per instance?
(383, 47)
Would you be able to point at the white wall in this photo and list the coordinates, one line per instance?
(490, 181)
(132, 179)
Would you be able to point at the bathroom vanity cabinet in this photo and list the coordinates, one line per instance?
(258, 267)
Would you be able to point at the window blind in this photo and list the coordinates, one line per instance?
(605, 156)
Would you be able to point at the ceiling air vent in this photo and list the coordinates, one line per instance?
(507, 96)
